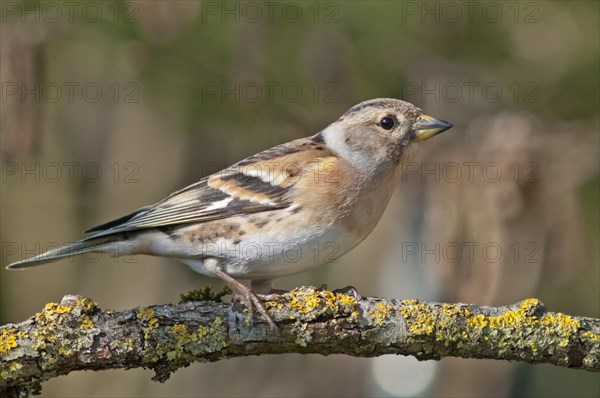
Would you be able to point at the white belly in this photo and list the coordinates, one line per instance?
(270, 255)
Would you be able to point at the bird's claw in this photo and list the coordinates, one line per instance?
(253, 301)
(349, 290)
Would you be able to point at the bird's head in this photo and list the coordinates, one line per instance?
(375, 135)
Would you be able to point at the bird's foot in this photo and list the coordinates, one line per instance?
(250, 298)
(253, 301)
(348, 290)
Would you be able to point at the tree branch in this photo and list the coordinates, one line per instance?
(78, 335)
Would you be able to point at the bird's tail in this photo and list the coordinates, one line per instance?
(105, 244)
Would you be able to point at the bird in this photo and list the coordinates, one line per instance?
(282, 211)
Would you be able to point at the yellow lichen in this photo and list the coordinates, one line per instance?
(54, 308)
(446, 324)
(13, 370)
(51, 314)
(478, 321)
(125, 345)
(305, 302)
(64, 351)
(524, 328)
(50, 339)
(8, 340)
(565, 322)
(345, 300)
(591, 337)
(311, 301)
(180, 341)
(564, 326)
(419, 318)
(179, 330)
(381, 312)
(520, 326)
(87, 323)
(508, 319)
(303, 335)
(145, 313)
(530, 303)
(274, 304)
(15, 366)
(87, 304)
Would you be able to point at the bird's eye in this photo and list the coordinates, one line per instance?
(387, 123)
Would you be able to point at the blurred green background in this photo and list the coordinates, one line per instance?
(109, 106)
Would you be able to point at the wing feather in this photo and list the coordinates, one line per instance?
(239, 189)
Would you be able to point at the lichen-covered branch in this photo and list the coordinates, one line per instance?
(77, 335)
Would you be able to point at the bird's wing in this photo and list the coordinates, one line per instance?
(259, 183)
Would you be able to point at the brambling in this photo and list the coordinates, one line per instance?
(279, 212)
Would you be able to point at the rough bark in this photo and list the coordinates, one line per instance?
(76, 334)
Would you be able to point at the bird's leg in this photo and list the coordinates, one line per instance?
(251, 298)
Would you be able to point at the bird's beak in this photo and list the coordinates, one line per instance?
(426, 127)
